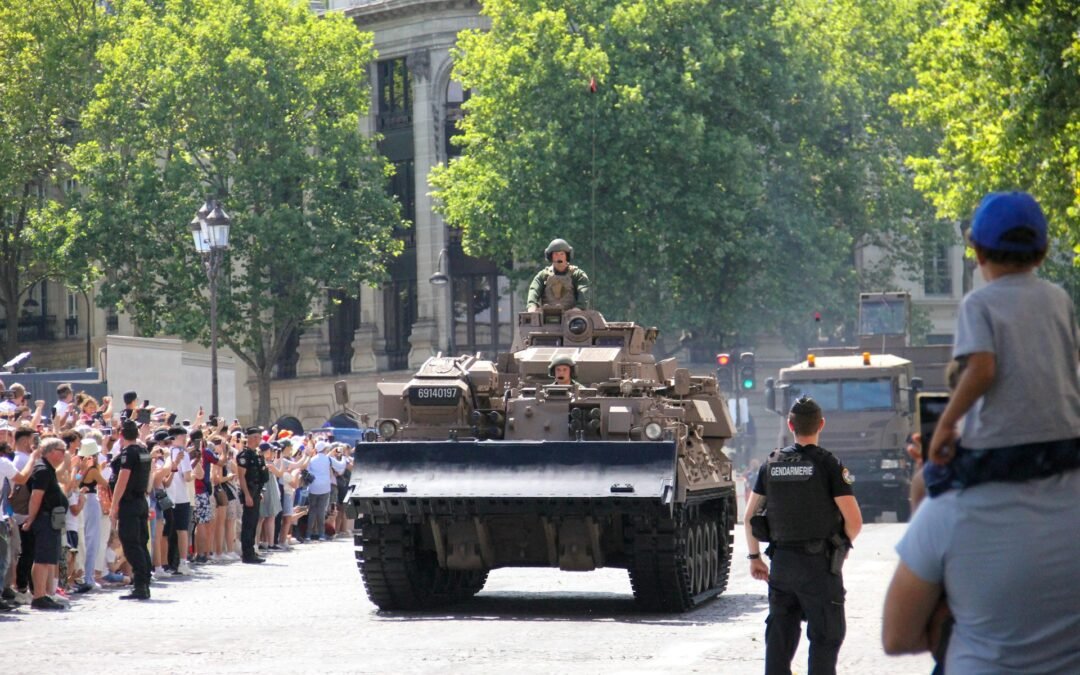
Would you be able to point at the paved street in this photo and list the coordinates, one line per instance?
(306, 611)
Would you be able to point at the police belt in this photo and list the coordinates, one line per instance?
(812, 546)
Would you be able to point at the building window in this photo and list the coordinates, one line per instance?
(937, 277)
(455, 99)
(112, 321)
(395, 95)
(399, 315)
(403, 188)
(483, 311)
(344, 320)
(71, 324)
(286, 363)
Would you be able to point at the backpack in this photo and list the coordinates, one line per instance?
(20, 500)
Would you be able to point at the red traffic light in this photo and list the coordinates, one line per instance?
(723, 359)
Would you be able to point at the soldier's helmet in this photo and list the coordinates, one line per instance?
(563, 360)
(559, 245)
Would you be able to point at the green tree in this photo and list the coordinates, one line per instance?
(999, 81)
(721, 177)
(258, 104)
(47, 72)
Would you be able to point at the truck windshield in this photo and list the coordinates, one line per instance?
(845, 395)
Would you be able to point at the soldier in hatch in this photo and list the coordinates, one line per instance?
(561, 284)
(563, 369)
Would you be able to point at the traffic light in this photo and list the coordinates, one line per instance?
(747, 380)
(725, 372)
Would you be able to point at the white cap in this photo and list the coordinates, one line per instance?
(322, 446)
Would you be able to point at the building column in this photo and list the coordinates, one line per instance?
(313, 352)
(430, 235)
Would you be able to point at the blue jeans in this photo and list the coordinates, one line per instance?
(92, 534)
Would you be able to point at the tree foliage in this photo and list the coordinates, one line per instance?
(722, 176)
(256, 103)
(47, 72)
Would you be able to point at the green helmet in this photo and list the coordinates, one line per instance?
(559, 245)
(562, 360)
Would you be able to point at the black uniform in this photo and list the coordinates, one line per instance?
(132, 525)
(256, 475)
(800, 483)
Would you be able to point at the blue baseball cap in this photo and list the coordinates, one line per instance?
(1000, 212)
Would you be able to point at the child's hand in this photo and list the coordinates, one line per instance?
(914, 450)
(943, 444)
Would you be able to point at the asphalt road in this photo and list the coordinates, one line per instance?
(306, 611)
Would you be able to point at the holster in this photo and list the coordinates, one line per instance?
(838, 550)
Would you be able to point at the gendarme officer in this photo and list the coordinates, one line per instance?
(252, 471)
(811, 518)
(130, 510)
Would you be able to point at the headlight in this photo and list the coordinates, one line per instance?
(388, 429)
(890, 464)
(653, 431)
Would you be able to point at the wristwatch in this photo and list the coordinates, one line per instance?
(754, 556)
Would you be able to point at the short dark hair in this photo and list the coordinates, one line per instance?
(70, 436)
(805, 416)
(1017, 235)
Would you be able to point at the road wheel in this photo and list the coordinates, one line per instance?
(398, 574)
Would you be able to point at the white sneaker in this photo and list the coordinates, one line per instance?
(233, 555)
(184, 569)
(23, 598)
(159, 571)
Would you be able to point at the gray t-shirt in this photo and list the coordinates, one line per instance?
(1007, 554)
(1030, 326)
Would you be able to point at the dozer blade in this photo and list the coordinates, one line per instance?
(527, 469)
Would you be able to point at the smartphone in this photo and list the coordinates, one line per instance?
(143, 416)
(106, 431)
(928, 411)
(170, 419)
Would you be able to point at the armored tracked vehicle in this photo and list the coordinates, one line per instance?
(485, 464)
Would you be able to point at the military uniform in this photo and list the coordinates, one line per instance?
(567, 290)
(800, 484)
(132, 515)
(256, 475)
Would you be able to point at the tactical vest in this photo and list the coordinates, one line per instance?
(800, 507)
(139, 479)
(253, 472)
(559, 290)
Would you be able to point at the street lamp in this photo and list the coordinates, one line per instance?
(438, 280)
(210, 230)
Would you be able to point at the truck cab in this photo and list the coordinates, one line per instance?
(868, 403)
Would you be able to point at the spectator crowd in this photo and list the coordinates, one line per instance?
(58, 470)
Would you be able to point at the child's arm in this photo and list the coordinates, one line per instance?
(976, 380)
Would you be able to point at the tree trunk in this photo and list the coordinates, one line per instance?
(262, 407)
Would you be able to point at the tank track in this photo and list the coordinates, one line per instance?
(398, 575)
(678, 564)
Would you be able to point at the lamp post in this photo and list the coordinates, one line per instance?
(210, 230)
(440, 279)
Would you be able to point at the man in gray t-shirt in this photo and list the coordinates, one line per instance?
(1007, 558)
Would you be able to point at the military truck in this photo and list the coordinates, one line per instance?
(868, 402)
(867, 393)
(485, 464)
